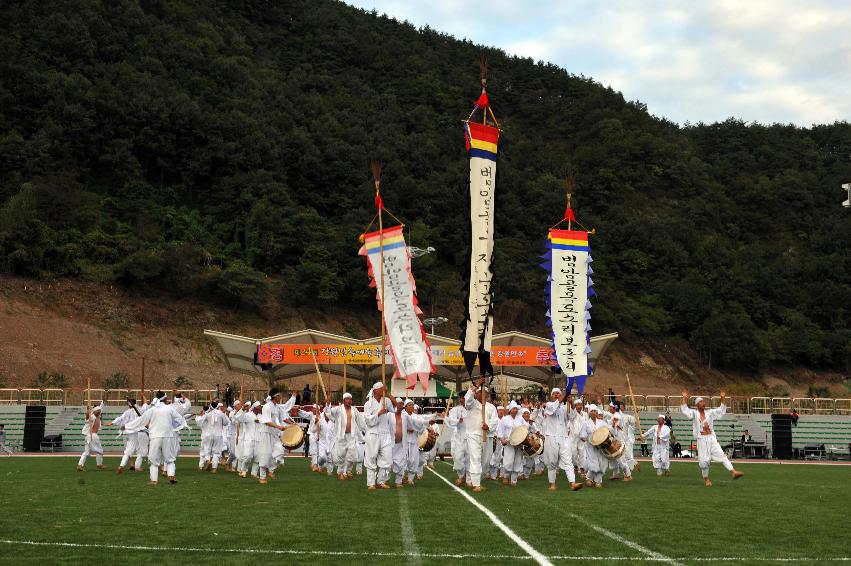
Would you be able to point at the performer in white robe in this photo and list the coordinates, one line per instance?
(360, 450)
(621, 469)
(131, 439)
(379, 414)
(400, 457)
(328, 441)
(205, 450)
(314, 429)
(270, 433)
(703, 428)
(217, 421)
(595, 462)
(93, 445)
(455, 420)
(630, 425)
(512, 456)
(478, 450)
(495, 466)
(576, 446)
(249, 431)
(660, 436)
(556, 426)
(539, 465)
(229, 436)
(413, 426)
(427, 458)
(182, 406)
(163, 423)
(528, 461)
(348, 423)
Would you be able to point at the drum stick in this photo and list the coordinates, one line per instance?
(344, 376)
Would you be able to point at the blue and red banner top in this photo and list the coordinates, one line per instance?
(481, 140)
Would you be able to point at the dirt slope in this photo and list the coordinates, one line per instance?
(85, 329)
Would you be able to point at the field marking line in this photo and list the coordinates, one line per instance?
(652, 554)
(272, 551)
(534, 554)
(409, 541)
(422, 555)
(649, 554)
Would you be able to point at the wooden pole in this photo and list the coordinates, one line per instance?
(484, 413)
(381, 270)
(143, 380)
(344, 376)
(88, 398)
(634, 406)
(319, 381)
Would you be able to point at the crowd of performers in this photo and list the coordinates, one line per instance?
(386, 438)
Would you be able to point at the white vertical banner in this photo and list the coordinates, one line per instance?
(408, 344)
(569, 291)
(478, 325)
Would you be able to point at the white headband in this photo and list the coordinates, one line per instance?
(347, 395)
(555, 390)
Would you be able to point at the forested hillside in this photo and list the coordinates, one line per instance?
(220, 150)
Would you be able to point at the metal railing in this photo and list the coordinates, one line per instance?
(760, 405)
(825, 406)
(9, 397)
(53, 396)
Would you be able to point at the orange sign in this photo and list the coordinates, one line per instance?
(371, 355)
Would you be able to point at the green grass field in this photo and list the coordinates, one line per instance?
(776, 513)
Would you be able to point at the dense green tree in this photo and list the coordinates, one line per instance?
(222, 149)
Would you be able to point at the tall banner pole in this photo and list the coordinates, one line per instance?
(344, 376)
(484, 413)
(143, 380)
(634, 406)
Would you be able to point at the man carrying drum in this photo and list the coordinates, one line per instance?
(703, 427)
(595, 461)
(556, 425)
(512, 452)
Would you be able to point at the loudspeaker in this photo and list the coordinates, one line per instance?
(781, 436)
(34, 420)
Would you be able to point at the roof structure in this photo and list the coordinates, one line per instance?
(238, 354)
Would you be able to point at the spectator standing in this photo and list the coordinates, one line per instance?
(794, 414)
(669, 422)
(676, 447)
(306, 394)
(228, 395)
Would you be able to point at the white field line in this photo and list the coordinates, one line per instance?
(409, 541)
(272, 551)
(527, 548)
(344, 553)
(655, 556)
